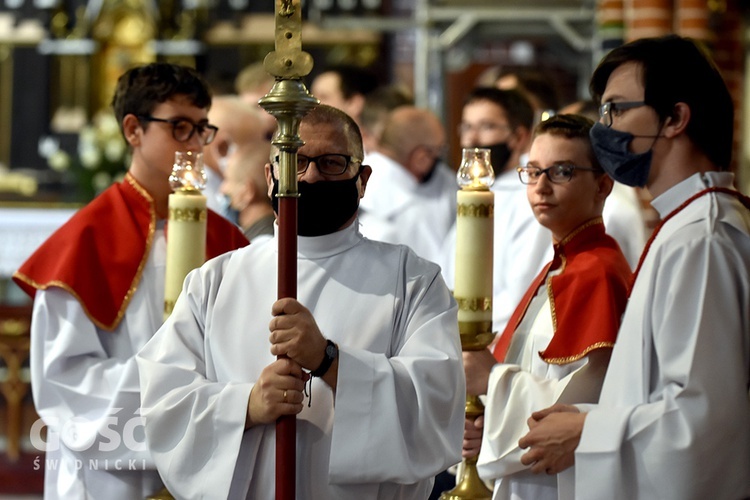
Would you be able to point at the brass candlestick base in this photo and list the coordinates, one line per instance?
(473, 285)
(471, 486)
(162, 494)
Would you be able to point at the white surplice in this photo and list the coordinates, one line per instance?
(673, 420)
(86, 389)
(398, 209)
(522, 248)
(397, 416)
(526, 384)
(625, 221)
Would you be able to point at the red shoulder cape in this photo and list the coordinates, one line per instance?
(99, 254)
(587, 297)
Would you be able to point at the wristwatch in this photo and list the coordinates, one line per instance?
(331, 353)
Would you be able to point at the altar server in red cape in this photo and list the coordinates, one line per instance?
(557, 344)
(673, 417)
(98, 289)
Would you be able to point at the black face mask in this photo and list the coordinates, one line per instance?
(323, 206)
(499, 155)
(428, 175)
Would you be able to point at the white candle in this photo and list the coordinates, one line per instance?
(186, 229)
(474, 248)
(186, 242)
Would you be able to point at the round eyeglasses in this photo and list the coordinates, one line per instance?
(558, 174)
(609, 110)
(328, 164)
(183, 129)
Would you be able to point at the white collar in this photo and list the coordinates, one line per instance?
(675, 196)
(327, 245)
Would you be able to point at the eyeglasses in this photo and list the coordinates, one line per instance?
(608, 110)
(328, 164)
(183, 129)
(465, 128)
(558, 174)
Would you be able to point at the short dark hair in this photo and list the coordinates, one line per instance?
(570, 127)
(536, 83)
(381, 101)
(354, 79)
(329, 115)
(677, 69)
(513, 102)
(140, 89)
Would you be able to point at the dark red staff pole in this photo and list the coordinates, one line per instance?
(286, 426)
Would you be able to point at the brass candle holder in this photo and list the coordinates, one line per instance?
(473, 286)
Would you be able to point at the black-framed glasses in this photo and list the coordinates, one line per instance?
(328, 164)
(183, 129)
(608, 110)
(558, 174)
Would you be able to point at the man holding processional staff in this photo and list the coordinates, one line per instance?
(98, 284)
(373, 321)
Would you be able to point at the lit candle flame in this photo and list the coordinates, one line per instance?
(188, 173)
(475, 172)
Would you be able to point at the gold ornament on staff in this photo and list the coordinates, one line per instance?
(473, 286)
(186, 231)
(288, 101)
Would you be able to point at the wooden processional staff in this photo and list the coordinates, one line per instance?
(288, 101)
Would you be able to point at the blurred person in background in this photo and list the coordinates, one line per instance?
(252, 83)
(345, 87)
(411, 194)
(239, 124)
(378, 104)
(245, 186)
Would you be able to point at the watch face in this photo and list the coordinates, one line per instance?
(331, 351)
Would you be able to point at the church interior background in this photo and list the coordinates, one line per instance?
(59, 60)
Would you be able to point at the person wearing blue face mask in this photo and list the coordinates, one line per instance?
(378, 327)
(673, 420)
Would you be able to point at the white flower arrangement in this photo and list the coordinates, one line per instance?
(102, 156)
